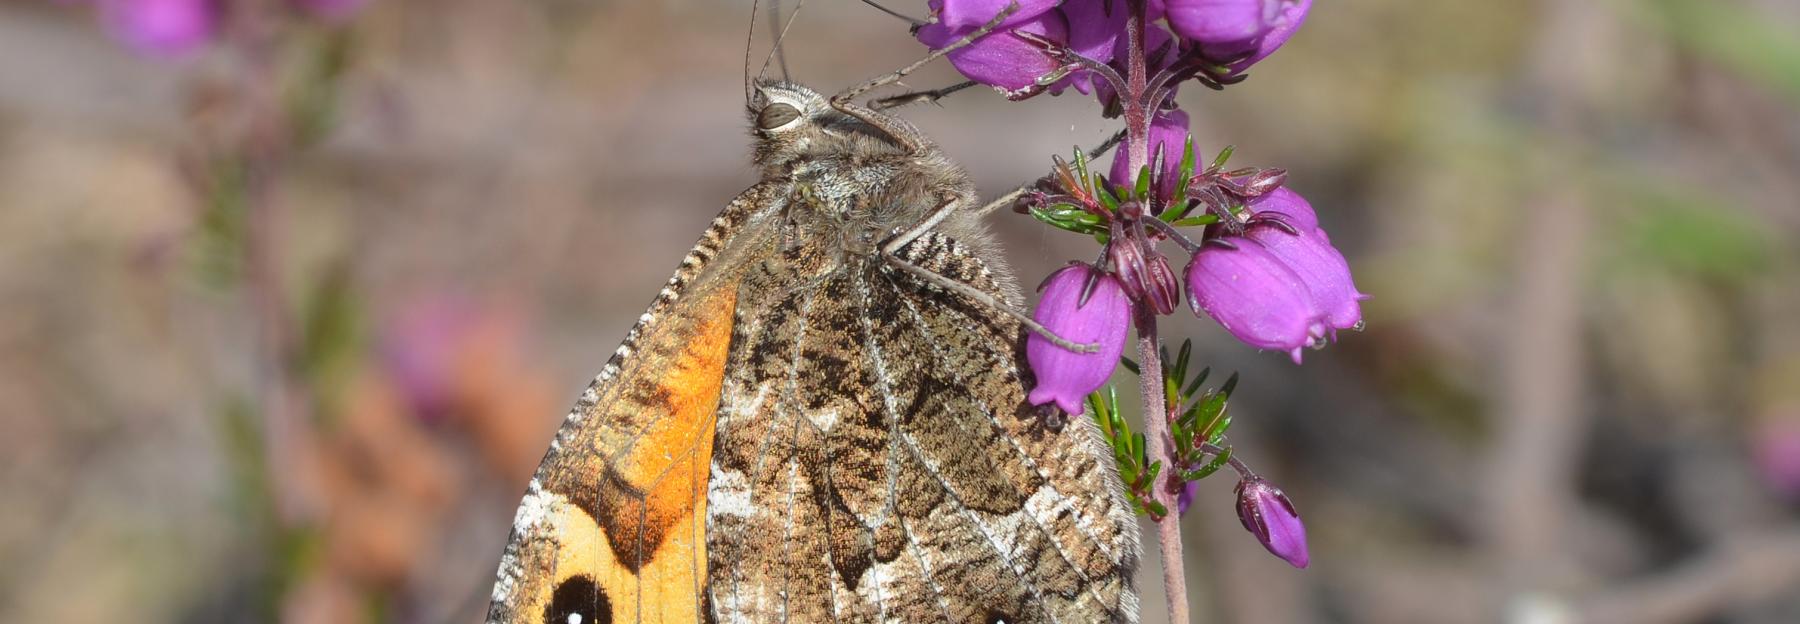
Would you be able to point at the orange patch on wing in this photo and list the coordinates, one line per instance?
(669, 464)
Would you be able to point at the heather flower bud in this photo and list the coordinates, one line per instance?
(160, 27)
(1169, 133)
(1126, 255)
(1162, 291)
(1255, 296)
(1268, 514)
(1063, 376)
(1000, 59)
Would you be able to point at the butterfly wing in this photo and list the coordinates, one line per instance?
(875, 460)
(612, 525)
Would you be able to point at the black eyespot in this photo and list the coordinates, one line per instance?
(776, 115)
(578, 596)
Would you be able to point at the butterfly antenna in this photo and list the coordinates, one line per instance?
(748, 38)
(916, 22)
(778, 39)
(781, 54)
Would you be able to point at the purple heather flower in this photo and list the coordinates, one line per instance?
(1000, 59)
(1237, 33)
(1323, 270)
(1185, 498)
(1092, 32)
(330, 10)
(1310, 254)
(1267, 513)
(968, 15)
(1293, 208)
(1168, 132)
(160, 27)
(1220, 21)
(1064, 376)
(1254, 295)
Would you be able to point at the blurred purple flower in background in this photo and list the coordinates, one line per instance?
(1063, 376)
(160, 27)
(1267, 513)
(418, 347)
(1775, 451)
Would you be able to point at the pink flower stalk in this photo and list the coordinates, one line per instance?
(1063, 376)
(1268, 514)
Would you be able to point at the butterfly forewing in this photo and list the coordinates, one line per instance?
(612, 524)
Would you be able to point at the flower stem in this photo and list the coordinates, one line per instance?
(1156, 432)
(1150, 374)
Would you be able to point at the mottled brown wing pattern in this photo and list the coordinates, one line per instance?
(612, 526)
(874, 459)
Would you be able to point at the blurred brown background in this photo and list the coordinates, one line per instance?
(286, 322)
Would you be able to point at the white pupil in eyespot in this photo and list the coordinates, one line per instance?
(574, 618)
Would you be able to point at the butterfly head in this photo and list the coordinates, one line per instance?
(791, 124)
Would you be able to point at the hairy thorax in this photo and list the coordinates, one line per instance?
(850, 203)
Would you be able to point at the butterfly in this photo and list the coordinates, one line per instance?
(822, 417)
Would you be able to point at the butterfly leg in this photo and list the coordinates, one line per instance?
(907, 99)
(890, 254)
(910, 139)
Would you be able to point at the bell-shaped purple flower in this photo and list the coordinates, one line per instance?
(1293, 209)
(1092, 31)
(971, 14)
(1308, 252)
(1237, 33)
(1000, 59)
(1169, 133)
(1063, 376)
(1255, 296)
(160, 27)
(1268, 514)
(1220, 21)
(1323, 270)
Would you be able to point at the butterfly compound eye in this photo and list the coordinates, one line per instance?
(776, 115)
